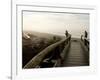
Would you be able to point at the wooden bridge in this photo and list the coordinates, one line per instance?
(67, 52)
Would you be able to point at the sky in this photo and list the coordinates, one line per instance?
(56, 23)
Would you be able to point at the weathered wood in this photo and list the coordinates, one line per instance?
(40, 56)
(76, 55)
(85, 41)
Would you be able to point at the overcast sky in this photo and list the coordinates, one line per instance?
(56, 23)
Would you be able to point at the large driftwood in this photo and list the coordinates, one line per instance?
(35, 61)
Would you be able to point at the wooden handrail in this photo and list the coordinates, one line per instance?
(86, 41)
(40, 56)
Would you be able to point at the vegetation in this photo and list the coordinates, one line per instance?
(33, 43)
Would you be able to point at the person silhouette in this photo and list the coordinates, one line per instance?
(66, 33)
(85, 39)
(86, 34)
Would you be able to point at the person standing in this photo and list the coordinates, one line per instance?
(86, 34)
(66, 33)
(85, 39)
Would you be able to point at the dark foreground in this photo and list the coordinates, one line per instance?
(44, 53)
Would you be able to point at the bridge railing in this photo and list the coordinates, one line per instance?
(51, 52)
(86, 41)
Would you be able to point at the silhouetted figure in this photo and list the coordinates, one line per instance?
(86, 34)
(66, 33)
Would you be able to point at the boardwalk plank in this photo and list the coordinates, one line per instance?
(76, 55)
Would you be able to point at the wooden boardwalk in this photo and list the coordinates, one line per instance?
(76, 54)
(65, 53)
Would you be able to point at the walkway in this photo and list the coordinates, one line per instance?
(76, 55)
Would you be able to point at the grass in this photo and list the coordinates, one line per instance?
(34, 42)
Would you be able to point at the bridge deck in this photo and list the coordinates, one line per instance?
(76, 55)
